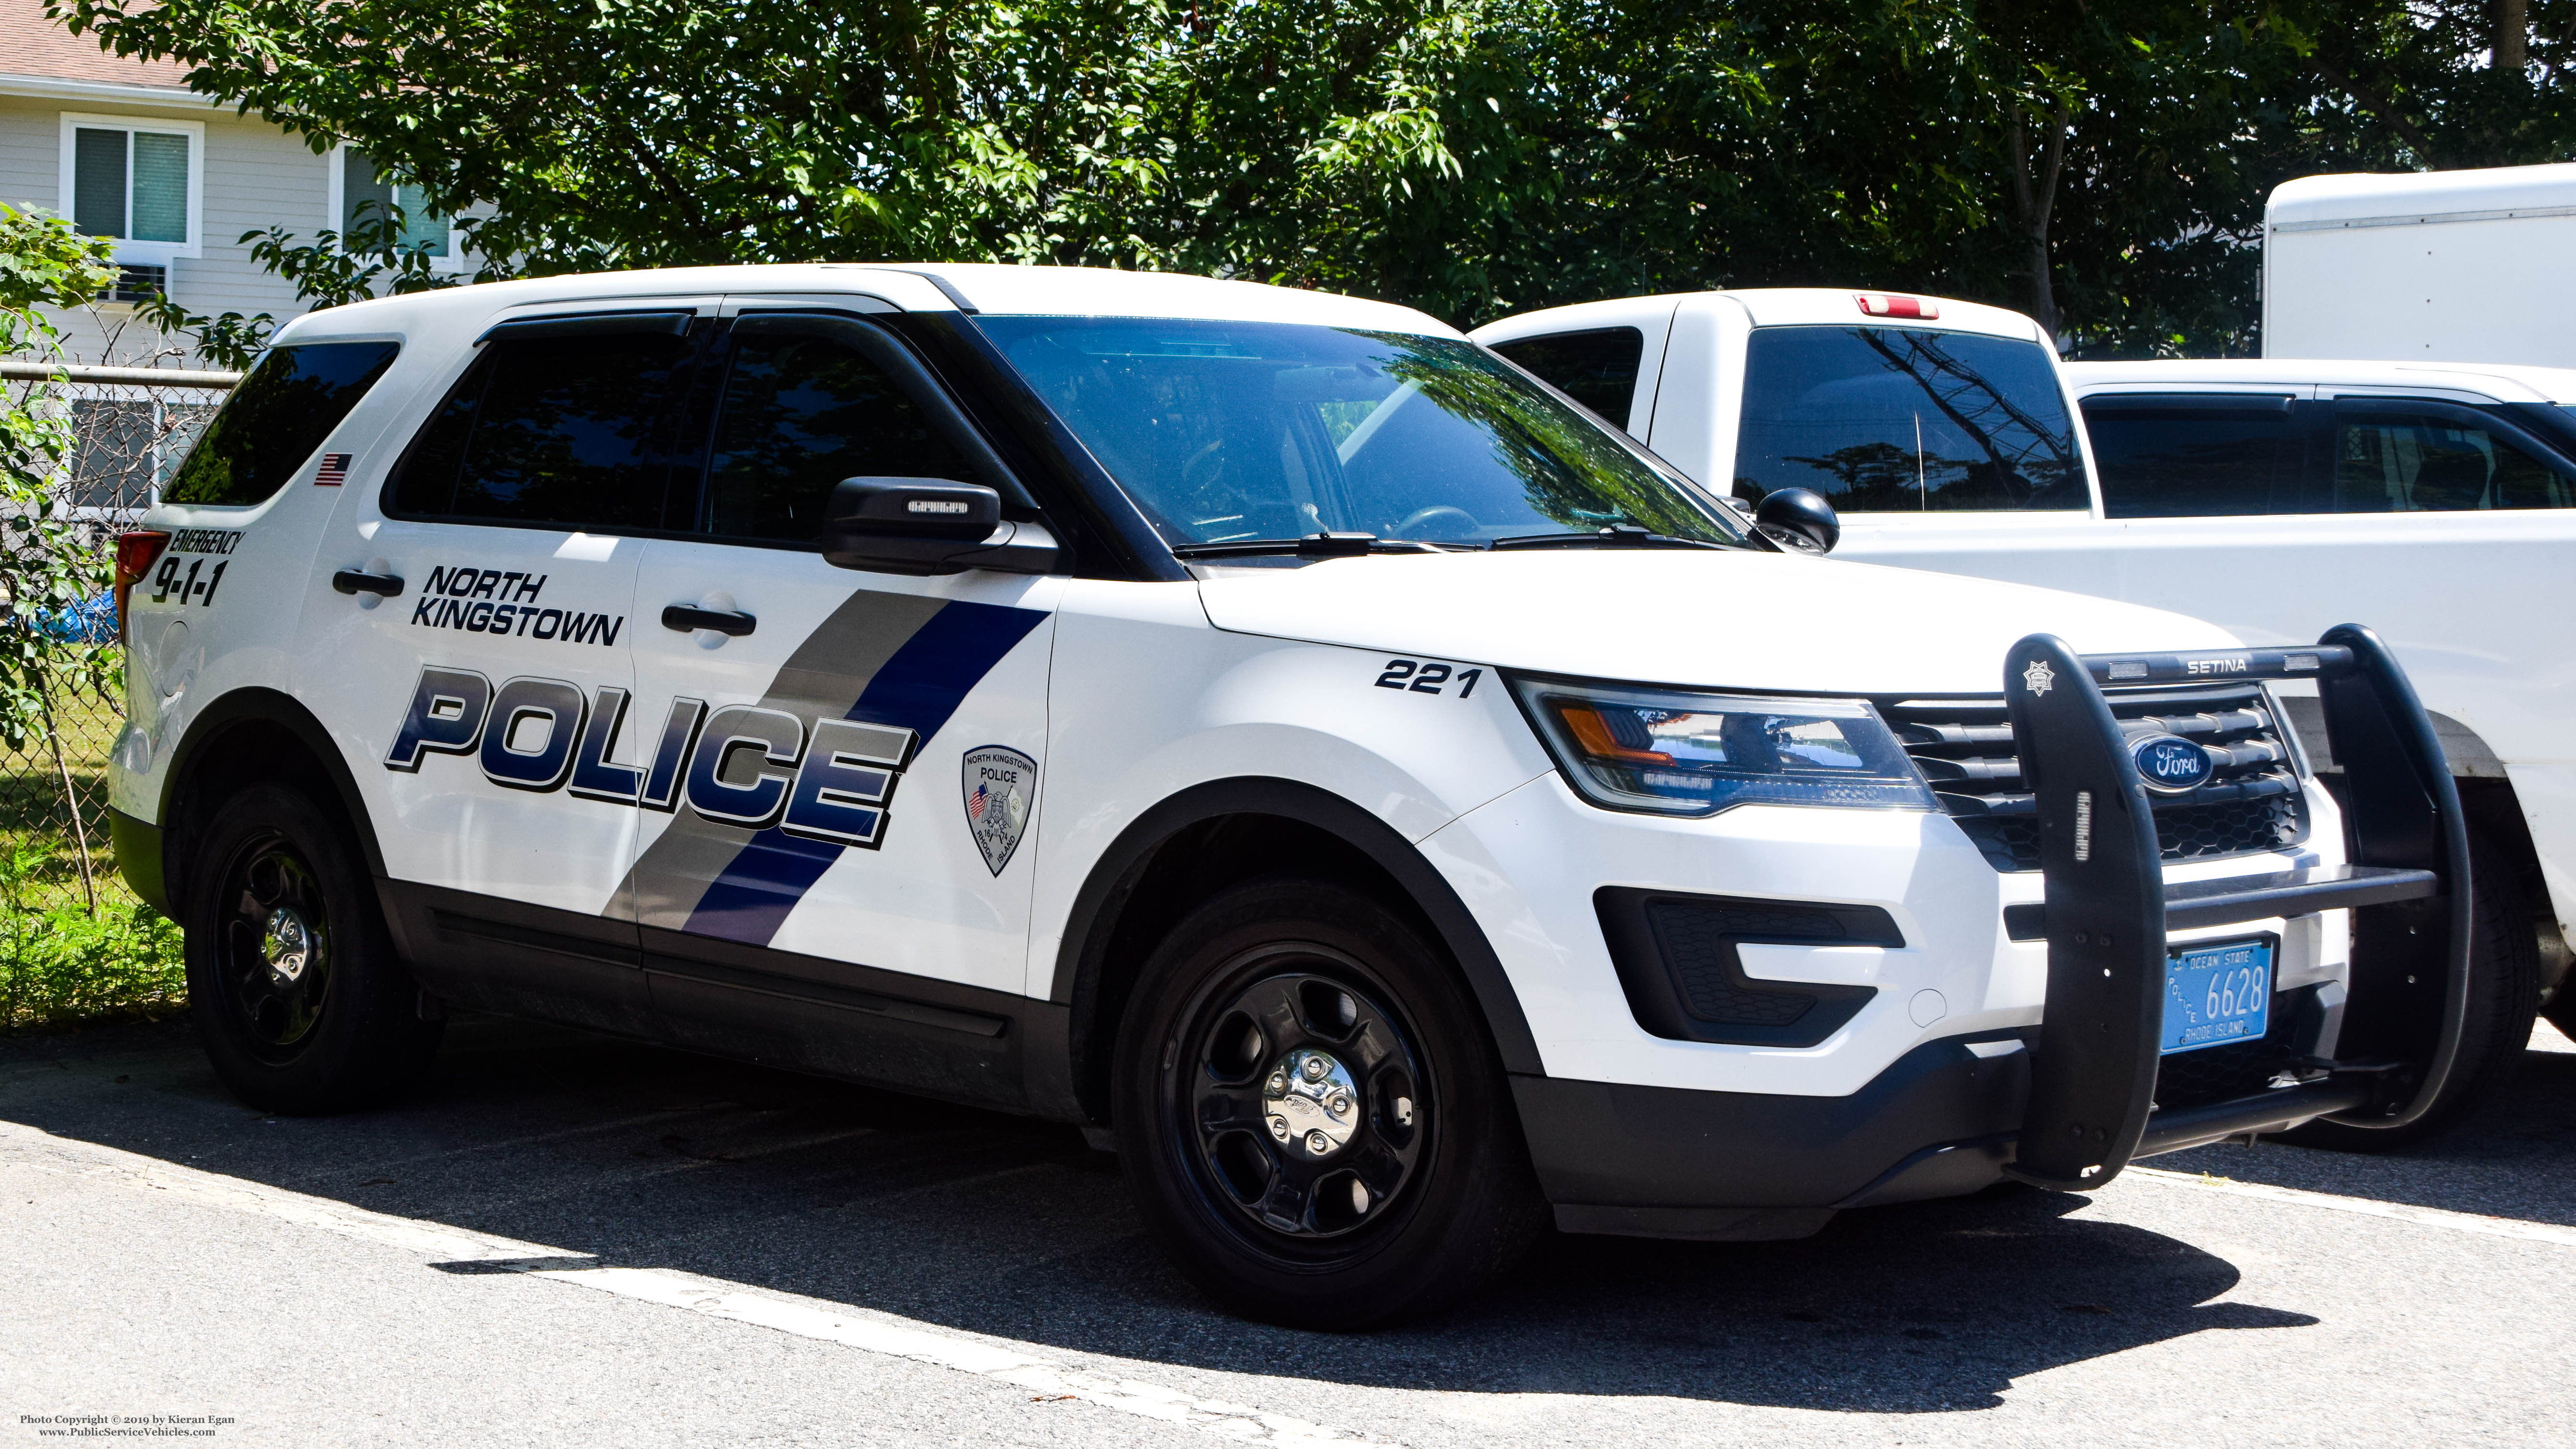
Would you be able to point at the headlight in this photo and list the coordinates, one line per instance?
(1675, 753)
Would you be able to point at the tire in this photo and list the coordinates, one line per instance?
(300, 1000)
(1284, 998)
(2504, 997)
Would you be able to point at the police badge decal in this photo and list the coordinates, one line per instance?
(1000, 786)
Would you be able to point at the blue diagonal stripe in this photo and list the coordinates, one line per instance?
(918, 688)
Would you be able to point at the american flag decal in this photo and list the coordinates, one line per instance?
(333, 472)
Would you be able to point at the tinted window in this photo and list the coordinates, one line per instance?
(2202, 461)
(799, 415)
(1227, 431)
(2401, 462)
(550, 430)
(275, 419)
(1597, 369)
(1885, 419)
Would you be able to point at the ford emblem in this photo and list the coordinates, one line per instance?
(2170, 764)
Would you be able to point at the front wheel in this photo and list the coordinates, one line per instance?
(1310, 1114)
(297, 993)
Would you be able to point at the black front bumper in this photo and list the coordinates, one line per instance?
(1943, 1121)
(1668, 1162)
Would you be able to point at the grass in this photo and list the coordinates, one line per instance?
(63, 966)
(61, 962)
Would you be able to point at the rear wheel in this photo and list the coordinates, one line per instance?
(299, 998)
(2504, 995)
(1311, 1117)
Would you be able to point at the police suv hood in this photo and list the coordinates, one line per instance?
(1728, 620)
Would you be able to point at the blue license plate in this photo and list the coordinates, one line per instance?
(2216, 994)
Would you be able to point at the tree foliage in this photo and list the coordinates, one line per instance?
(2101, 166)
(670, 132)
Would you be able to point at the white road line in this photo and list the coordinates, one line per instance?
(999, 1359)
(2367, 1207)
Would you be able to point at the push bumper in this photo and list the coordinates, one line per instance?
(2067, 1105)
(2107, 908)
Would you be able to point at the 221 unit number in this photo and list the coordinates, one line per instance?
(1423, 678)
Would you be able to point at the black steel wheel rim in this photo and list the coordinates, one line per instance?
(1282, 1188)
(272, 946)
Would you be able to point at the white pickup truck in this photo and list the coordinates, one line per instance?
(2274, 498)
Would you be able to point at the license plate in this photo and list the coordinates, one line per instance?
(2216, 993)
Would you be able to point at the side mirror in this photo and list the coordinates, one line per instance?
(928, 526)
(1799, 520)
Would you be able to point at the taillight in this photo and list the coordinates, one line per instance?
(1891, 304)
(136, 553)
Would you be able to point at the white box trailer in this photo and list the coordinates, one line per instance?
(2434, 266)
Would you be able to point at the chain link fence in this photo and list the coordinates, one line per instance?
(133, 425)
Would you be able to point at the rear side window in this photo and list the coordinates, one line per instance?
(799, 414)
(2191, 457)
(274, 420)
(1892, 419)
(1597, 369)
(562, 431)
(2400, 461)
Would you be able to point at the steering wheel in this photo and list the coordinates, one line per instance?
(1439, 521)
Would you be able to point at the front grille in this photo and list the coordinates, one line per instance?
(2251, 803)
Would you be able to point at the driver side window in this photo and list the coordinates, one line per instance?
(798, 414)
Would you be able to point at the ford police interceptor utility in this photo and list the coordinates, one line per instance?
(1265, 727)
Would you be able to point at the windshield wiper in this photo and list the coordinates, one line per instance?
(1623, 535)
(1313, 545)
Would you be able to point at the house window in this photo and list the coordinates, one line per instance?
(131, 440)
(362, 199)
(138, 182)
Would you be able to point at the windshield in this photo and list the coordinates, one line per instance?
(1231, 431)
(1895, 419)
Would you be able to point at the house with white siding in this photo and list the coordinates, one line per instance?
(127, 151)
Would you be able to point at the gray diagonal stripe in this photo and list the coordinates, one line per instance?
(823, 677)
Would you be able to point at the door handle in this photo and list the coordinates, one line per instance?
(359, 581)
(685, 617)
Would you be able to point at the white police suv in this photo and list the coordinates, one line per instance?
(1264, 727)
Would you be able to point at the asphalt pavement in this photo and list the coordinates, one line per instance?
(563, 1239)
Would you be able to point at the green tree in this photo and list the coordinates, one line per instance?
(2102, 167)
(671, 132)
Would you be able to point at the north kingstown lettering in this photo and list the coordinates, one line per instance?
(472, 615)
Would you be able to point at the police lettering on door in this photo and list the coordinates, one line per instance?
(745, 765)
